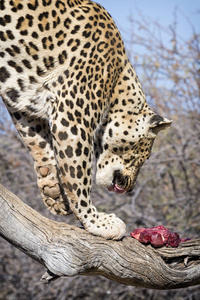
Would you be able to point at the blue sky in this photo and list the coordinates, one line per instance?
(161, 11)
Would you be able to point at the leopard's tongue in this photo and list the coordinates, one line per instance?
(115, 188)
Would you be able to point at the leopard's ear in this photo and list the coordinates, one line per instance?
(157, 123)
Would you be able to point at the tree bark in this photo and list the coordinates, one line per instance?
(66, 250)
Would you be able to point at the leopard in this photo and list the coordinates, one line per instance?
(77, 103)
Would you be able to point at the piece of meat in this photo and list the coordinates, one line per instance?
(157, 236)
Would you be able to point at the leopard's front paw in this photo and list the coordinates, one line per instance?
(107, 226)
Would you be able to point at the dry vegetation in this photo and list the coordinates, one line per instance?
(167, 191)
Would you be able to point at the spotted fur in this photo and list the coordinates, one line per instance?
(72, 92)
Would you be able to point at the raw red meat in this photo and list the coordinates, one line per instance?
(157, 236)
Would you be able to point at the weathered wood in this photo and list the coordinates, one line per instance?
(66, 250)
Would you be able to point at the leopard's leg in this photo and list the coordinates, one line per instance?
(36, 135)
(73, 148)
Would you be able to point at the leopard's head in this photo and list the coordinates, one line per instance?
(124, 148)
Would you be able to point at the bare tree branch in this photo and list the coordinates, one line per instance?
(68, 251)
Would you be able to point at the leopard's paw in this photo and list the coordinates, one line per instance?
(51, 190)
(107, 226)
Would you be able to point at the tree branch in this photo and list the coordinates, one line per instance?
(66, 250)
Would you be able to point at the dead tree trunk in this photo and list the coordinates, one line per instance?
(68, 251)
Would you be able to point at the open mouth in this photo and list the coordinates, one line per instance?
(115, 187)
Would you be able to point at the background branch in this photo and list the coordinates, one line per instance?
(66, 250)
